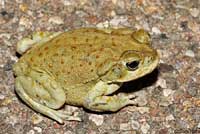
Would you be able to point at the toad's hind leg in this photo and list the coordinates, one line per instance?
(43, 98)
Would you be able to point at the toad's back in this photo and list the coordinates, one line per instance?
(73, 57)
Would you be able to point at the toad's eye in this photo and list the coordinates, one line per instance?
(132, 66)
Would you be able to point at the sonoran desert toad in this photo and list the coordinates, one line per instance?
(81, 67)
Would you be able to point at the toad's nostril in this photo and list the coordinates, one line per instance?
(148, 60)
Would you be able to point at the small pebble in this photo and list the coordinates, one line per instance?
(156, 30)
(198, 65)
(120, 11)
(194, 12)
(56, 125)
(103, 24)
(194, 26)
(25, 22)
(183, 124)
(145, 128)
(36, 119)
(125, 126)
(113, 13)
(67, 2)
(56, 20)
(38, 129)
(151, 9)
(165, 68)
(68, 132)
(8, 43)
(116, 21)
(13, 120)
(143, 110)
(167, 92)
(114, 1)
(135, 124)
(170, 117)
(8, 65)
(161, 82)
(164, 102)
(193, 90)
(198, 126)
(142, 97)
(23, 7)
(5, 35)
(31, 132)
(6, 101)
(2, 97)
(4, 110)
(189, 53)
(97, 119)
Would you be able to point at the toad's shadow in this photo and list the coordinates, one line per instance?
(140, 83)
(134, 86)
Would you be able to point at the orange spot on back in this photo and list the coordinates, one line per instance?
(57, 45)
(56, 41)
(73, 47)
(46, 48)
(63, 70)
(68, 72)
(34, 64)
(97, 56)
(50, 65)
(56, 54)
(31, 59)
(56, 73)
(62, 61)
(40, 54)
(101, 49)
(96, 37)
(74, 38)
(113, 44)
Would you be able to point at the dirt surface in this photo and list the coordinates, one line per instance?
(171, 94)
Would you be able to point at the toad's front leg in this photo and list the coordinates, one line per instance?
(98, 99)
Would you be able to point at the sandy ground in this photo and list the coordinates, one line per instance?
(171, 94)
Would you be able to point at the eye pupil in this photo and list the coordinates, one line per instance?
(132, 65)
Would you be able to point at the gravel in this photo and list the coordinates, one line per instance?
(170, 95)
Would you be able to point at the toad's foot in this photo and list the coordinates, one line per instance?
(66, 116)
(130, 99)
